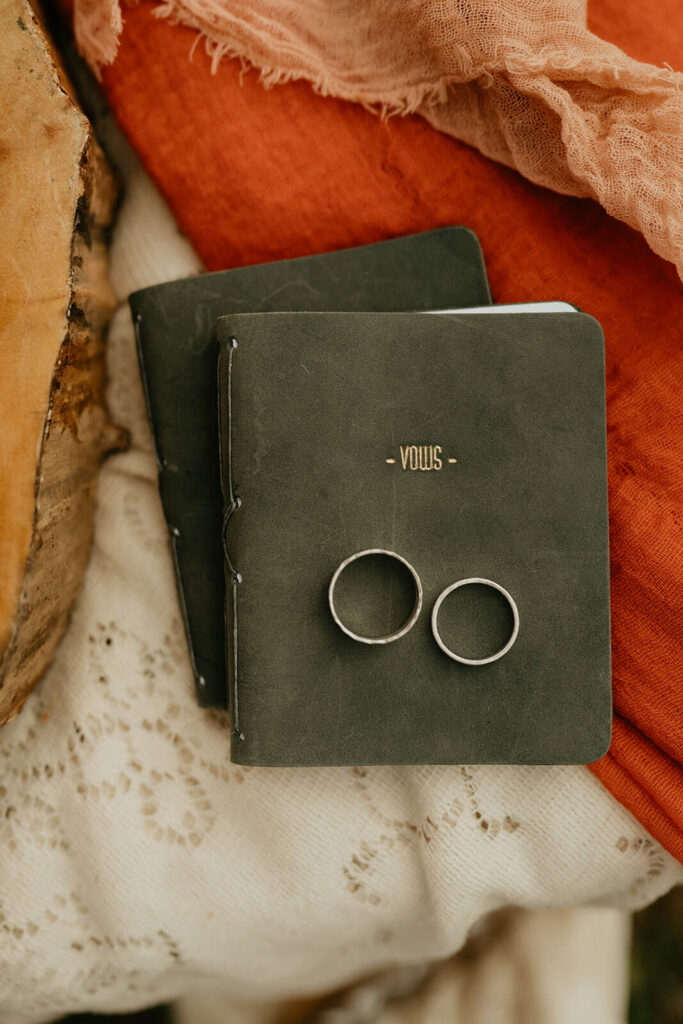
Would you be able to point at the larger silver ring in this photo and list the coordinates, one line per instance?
(474, 661)
(410, 621)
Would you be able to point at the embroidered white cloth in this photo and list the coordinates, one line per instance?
(138, 863)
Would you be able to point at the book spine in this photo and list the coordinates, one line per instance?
(231, 504)
(203, 699)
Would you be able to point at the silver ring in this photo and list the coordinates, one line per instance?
(474, 661)
(407, 625)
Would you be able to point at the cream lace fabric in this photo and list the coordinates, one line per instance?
(138, 863)
(522, 80)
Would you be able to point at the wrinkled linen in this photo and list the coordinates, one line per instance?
(139, 864)
(524, 81)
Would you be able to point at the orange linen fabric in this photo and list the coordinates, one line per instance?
(522, 80)
(255, 175)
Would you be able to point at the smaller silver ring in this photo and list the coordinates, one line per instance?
(407, 625)
(474, 661)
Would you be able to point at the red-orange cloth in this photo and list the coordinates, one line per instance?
(254, 175)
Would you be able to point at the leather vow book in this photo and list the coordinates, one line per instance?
(176, 334)
(468, 448)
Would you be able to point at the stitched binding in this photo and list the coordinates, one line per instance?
(232, 503)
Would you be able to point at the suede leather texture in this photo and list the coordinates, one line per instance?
(175, 327)
(312, 407)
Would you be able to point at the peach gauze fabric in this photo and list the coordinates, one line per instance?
(522, 80)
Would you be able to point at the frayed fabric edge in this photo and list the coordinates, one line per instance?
(427, 97)
(410, 98)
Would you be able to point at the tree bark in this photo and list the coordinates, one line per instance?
(57, 200)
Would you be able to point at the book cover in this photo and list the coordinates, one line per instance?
(176, 334)
(470, 448)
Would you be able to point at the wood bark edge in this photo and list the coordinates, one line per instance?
(76, 428)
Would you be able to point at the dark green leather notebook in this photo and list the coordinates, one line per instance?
(175, 326)
(450, 448)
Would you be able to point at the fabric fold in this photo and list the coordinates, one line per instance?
(526, 83)
(622, 785)
(658, 775)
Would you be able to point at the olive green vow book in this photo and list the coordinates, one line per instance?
(449, 448)
(176, 333)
